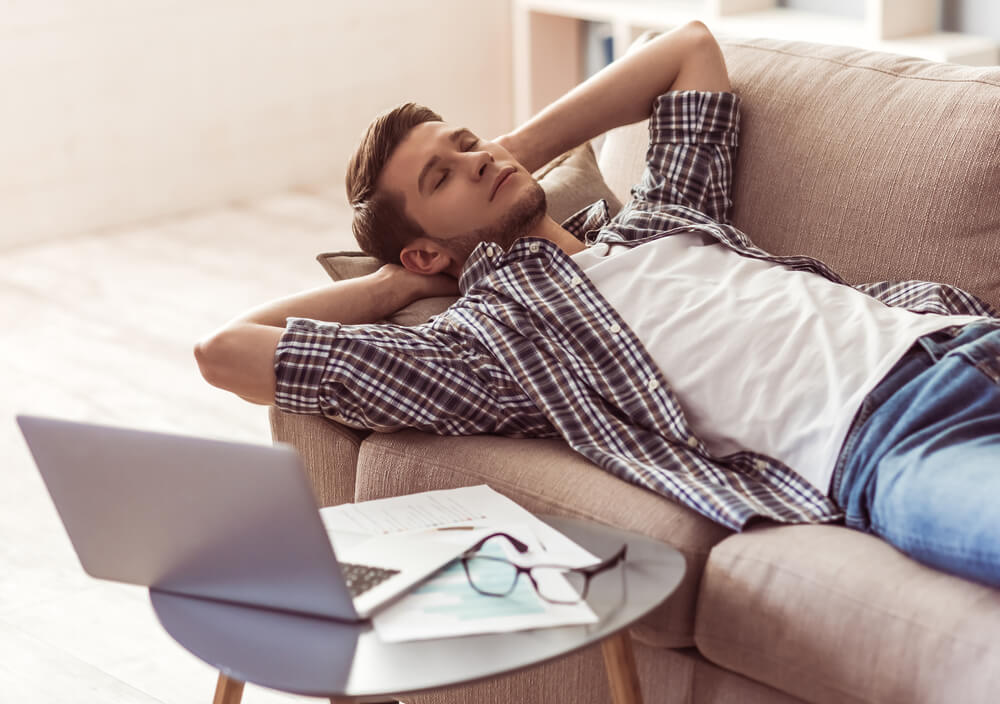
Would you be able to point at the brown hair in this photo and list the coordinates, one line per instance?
(380, 226)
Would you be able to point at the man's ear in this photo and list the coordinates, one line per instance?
(424, 257)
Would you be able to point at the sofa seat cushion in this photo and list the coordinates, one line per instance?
(545, 476)
(830, 614)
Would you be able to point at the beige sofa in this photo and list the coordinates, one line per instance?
(886, 168)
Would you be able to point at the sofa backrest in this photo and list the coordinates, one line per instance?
(882, 166)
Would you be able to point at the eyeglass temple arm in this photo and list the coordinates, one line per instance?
(518, 545)
(607, 564)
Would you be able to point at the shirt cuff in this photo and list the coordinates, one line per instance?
(695, 117)
(300, 362)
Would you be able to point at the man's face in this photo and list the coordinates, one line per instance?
(462, 190)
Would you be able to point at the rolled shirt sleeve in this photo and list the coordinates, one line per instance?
(389, 377)
(693, 136)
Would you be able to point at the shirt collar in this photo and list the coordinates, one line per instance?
(588, 219)
(487, 256)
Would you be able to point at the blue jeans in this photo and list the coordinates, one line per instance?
(920, 466)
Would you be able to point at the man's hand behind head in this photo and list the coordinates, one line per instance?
(417, 286)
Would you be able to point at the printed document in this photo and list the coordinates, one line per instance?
(446, 605)
(473, 508)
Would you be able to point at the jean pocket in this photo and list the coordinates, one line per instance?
(940, 342)
(983, 353)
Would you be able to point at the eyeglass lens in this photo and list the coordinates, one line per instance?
(498, 577)
(491, 575)
(490, 572)
(559, 585)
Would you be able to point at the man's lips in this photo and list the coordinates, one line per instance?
(501, 177)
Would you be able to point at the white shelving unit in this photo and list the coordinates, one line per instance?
(548, 44)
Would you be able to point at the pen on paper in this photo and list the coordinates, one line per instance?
(466, 527)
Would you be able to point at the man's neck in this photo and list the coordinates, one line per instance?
(550, 230)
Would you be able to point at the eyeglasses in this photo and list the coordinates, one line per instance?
(492, 575)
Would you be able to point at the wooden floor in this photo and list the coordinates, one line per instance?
(100, 328)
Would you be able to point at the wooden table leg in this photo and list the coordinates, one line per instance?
(619, 661)
(228, 691)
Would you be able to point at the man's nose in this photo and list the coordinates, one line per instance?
(480, 161)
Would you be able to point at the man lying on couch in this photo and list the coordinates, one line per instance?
(661, 344)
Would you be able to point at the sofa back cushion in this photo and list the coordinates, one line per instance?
(882, 166)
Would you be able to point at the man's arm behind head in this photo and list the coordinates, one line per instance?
(685, 58)
(239, 357)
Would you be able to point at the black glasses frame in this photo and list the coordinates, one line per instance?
(587, 573)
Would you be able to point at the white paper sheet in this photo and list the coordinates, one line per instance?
(446, 605)
(473, 507)
(404, 514)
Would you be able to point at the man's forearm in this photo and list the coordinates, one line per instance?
(364, 299)
(620, 94)
(239, 357)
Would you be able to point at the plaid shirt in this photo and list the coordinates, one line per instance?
(532, 349)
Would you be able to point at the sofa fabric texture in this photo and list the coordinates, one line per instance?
(884, 167)
(834, 615)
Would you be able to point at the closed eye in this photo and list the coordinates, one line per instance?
(444, 174)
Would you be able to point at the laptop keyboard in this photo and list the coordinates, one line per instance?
(361, 578)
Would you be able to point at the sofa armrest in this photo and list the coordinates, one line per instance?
(328, 449)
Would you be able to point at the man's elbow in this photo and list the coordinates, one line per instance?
(704, 66)
(240, 358)
(699, 29)
(219, 359)
(209, 354)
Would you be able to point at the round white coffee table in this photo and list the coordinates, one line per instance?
(348, 661)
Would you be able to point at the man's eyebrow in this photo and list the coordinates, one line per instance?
(454, 136)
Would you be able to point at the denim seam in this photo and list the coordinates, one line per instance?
(987, 367)
(847, 449)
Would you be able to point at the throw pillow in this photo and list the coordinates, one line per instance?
(349, 265)
(573, 181)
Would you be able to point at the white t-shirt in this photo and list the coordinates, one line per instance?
(761, 357)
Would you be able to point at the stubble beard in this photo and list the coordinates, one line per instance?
(516, 223)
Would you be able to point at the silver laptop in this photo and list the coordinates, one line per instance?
(217, 520)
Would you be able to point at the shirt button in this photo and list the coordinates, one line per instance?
(490, 251)
(533, 248)
(653, 385)
(575, 281)
(615, 329)
(692, 441)
(759, 465)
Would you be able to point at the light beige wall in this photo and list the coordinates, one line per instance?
(117, 111)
